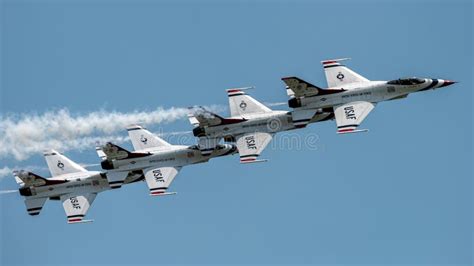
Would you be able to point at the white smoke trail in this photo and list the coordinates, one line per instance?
(3, 192)
(5, 171)
(27, 134)
(276, 104)
(23, 135)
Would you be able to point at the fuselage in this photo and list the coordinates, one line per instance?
(371, 91)
(81, 182)
(270, 122)
(173, 156)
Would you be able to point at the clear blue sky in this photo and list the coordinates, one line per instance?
(399, 194)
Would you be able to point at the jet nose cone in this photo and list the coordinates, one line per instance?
(447, 83)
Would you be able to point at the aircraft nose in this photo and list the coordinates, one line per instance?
(447, 83)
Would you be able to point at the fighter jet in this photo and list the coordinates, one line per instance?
(251, 125)
(351, 96)
(159, 160)
(70, 183)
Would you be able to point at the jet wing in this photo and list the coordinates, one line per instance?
(76, 206)
(250, 146)
(350, 115)
(299, 87)
(159, 179)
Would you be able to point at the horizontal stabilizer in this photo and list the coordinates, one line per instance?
(35, 205)
(301, 88)
(207, 145)
(116, 178)
(100, 153)
(25, 178)
(115, 152)
(301, 118)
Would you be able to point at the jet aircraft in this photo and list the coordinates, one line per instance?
(350, 96)
(251, 125)
(159, 160)
(70, 183)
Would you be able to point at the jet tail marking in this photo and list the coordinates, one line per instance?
(338, 74)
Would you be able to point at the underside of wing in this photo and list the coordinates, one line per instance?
(159, 179)
(76, 206)
(349, 116)
(250, 146)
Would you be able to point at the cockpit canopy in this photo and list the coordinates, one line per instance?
(406, 81)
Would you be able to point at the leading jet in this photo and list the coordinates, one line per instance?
(251, 125)
(350, 96)
(70, 183)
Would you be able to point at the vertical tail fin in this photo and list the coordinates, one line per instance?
(59, 164)
(242, 104)
(143, 139)
(338, 74)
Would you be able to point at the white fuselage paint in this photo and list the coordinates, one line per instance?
(77, 183)
(271, 122)
(372, 91)
(173, 156)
